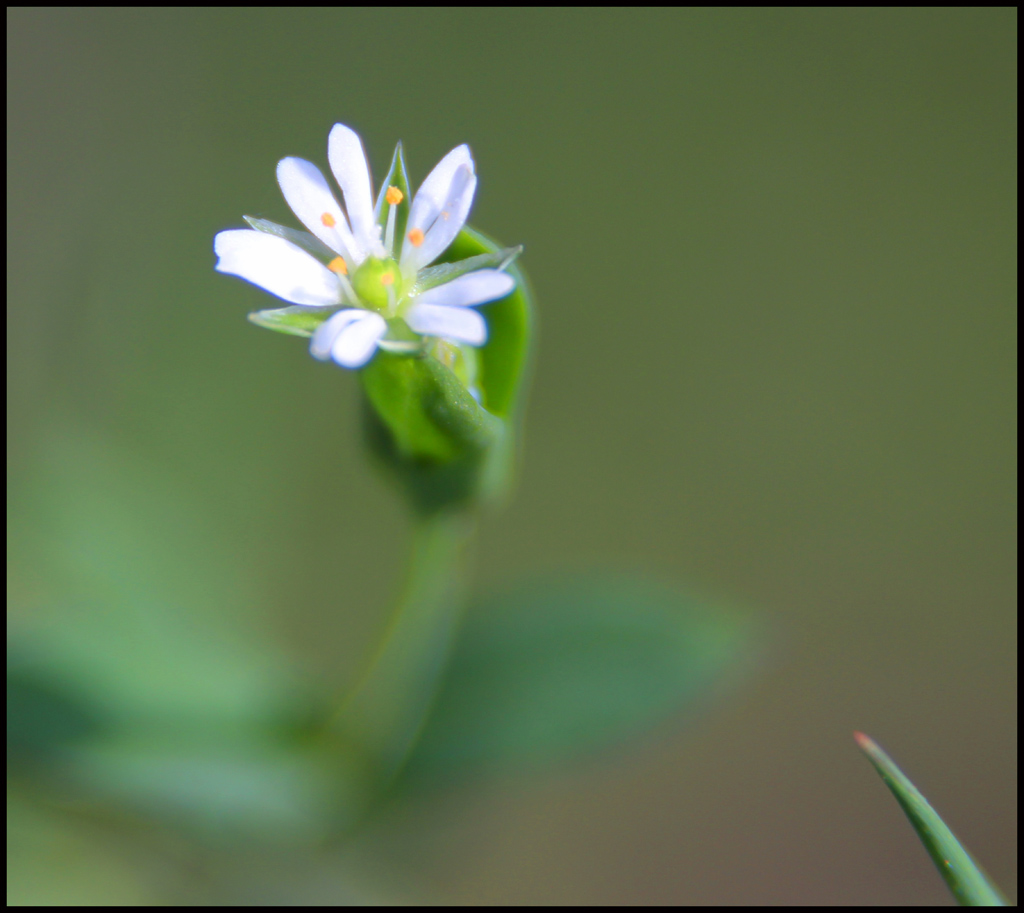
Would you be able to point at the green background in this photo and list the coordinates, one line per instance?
(774, 255)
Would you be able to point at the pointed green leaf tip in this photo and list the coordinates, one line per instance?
(969, 884)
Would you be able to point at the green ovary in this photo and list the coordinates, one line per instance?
(380, 285)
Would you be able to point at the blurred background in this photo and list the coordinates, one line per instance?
(774, 258)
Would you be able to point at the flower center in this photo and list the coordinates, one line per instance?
(379, 285)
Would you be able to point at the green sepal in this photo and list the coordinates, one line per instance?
(427, 429)
(963, 876)
(430, 414)
(396, 177)
(503, 360)
(446, 448)
(296, 320)
(303, 239)
(433, 276)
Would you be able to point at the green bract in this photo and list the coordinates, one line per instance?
(444, 447)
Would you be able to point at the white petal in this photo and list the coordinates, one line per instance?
(434, 190)
(448, 224)
(328, 331)
(311, 199)
(451, 322)
(277, 266)
(470, 289)
(443, 202)
(348, 162)
(357, 342)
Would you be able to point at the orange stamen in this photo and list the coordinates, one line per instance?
(387, 278)
(338, 265)
(328, 220)
(416, 237)
(394, 196)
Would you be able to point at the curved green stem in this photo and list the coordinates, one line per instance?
(385, 711)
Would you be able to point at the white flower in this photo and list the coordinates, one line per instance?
(366, 278)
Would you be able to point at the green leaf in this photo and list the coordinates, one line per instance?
(234, 787)
(139, 675)
(141, 606)
(296, 320)
(309, 243)
(44, 714)
(570, 667)
(964, 877)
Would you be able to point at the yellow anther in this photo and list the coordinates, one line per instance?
(328, 220)
(338, 265)
(416, 237)
(387, 278)
(394, 196)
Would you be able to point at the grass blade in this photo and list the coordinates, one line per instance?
(969, 884)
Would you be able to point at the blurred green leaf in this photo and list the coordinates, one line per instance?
(969, 884)
(140, 609)
(224, 787)
(44, 715)
(570, 667)
(139, 676)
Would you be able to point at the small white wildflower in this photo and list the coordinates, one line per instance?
(366, 278)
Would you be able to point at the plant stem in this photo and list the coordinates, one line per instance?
(385, 711)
